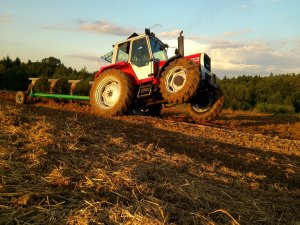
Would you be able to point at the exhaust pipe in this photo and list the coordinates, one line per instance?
(180, 50)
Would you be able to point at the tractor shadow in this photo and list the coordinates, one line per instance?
(199, 149)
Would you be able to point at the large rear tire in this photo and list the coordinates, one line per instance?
(111, 93)
(179, 81)
(207, 106)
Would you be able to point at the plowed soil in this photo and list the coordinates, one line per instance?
(60, 164)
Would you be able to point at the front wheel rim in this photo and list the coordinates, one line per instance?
(107, 93)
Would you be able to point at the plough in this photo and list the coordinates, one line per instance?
(24, 97)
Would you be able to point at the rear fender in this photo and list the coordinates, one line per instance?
(195, 57)
(166, 63)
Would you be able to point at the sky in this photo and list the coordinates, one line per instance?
(242, 37)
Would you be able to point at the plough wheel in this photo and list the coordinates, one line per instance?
(21, 98)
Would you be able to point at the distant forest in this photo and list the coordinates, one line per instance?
(275, 93)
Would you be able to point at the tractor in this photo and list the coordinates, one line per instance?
(140, 79)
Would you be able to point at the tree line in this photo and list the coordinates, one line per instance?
(275, 93)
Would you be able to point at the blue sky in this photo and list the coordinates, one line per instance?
(241, 36)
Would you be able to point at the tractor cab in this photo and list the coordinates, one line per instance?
(143, 52)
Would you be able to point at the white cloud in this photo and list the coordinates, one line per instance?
(104, 27)
(229, 57)
(92, 58)
(6, 18)
(236, 33)
(59, 27)
(244, 57)
(244, 6)
(169, 34)
(252, 4)
(97, 27)
(91, 61)
(268, 1)
(190, 46)
(253, 58)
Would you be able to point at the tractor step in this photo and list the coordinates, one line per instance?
(145, 91)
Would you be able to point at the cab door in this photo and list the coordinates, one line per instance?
(140, 58)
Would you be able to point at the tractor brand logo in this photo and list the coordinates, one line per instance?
(195, 59)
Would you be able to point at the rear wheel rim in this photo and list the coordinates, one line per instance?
(107, 93)
(203, 106)
(176, 79)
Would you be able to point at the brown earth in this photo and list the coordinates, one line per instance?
(59, 164)
(282, 125)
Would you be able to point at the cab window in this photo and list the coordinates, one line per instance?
(140, 53)
(123, 52)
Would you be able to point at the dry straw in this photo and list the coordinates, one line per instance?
(62, 167)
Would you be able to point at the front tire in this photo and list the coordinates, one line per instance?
(179, 81)
(111, 93)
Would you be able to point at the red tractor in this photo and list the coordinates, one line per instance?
(141, 78)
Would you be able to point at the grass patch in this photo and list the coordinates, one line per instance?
(274, 108)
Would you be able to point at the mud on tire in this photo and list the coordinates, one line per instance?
(111, 93)
(179, 81)
(207, 107)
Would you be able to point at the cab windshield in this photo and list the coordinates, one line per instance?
(108, 56)
(158, 49)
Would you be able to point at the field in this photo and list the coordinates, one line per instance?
(59, 164)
